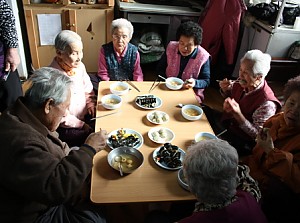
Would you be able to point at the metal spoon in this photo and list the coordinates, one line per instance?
(162, 77)
(120, 169)
(180, 105)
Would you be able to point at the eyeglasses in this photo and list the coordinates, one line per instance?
(117, 37)
(188, 46)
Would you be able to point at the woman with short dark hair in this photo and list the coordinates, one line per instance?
(187, 60)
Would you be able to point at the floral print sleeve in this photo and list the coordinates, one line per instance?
(262, 114)
(8, 32)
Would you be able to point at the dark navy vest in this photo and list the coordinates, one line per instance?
(124, 69)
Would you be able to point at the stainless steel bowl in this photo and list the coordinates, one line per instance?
(126, 158)
(181, 180)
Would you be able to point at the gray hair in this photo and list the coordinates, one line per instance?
(122, 23)
(261, 62)
(210, 167)
(65, 38)
(46, 83)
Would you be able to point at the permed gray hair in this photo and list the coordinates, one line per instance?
(122, 23)
(65, 38)
(210, 167)
(261, 62)
(46, 83)
(291, 86)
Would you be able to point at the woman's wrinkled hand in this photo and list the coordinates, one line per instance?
(92, 111)
(225, 84)
(12, 59)
(189, 83)
(232, 107)
(264, 140)
(97, 140)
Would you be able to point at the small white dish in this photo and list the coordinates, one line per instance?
(161, 163)
(111, 101)
(204, 136)
(158, 117)
(191, 112)
(116, 138)
(148, 101)
(119, 88)
(174, 83)
(161, 135)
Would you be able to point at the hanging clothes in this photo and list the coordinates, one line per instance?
(220, 21)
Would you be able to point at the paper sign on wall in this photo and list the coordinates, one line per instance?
(49, 26)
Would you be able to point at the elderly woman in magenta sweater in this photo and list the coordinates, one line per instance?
(119, 59)
(187, 60)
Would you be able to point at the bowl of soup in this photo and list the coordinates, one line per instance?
(126, 158)
(191, 112)
(204, 136)
(174, 83)
(111, 101)
(119, 88)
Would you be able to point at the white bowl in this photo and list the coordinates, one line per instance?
(161, 135)
(174, 83)
(204, 136)
(119, 88)
(158, 117)
(191, 112)
(111, 101)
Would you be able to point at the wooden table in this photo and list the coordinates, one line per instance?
(149, 183)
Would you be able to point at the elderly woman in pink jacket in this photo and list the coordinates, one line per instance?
(74, 128)
(187, 60)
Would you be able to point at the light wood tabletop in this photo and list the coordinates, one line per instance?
(149, 183)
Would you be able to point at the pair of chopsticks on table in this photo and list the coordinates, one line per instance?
(132, 85)
(153, 86)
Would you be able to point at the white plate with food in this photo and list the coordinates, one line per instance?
(125, 137)
(158, 117)
(168, 157)
(148, 101)
(161, 135)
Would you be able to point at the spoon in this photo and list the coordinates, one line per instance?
(221, 133)
(162, 77)
(120, 169)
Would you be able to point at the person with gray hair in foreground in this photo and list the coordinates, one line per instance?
(41, 177)
(224, 190)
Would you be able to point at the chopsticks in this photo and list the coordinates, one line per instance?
(152, 86)
(233, 81)
(104, 115)
(132, 85)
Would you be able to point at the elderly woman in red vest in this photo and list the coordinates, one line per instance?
(249, 101)
(275, 162)
(187, 60)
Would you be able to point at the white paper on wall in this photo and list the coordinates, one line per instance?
(49, 26)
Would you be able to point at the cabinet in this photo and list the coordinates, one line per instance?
(165, 18)
(91, 22)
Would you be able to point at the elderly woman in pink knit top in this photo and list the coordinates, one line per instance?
(187, 60)
(73, 128)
